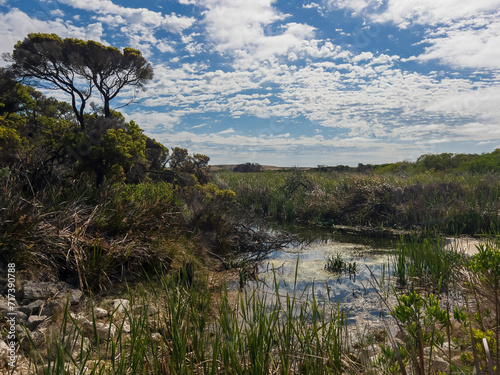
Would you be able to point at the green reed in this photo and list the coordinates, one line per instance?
(194, 331)
(425, 261)
(446, 202)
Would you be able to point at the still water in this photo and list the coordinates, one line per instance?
(301, 267)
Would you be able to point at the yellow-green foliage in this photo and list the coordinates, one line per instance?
(10, 138)
(148, 193)
(208, 206)
(120, 147)
(142, 208)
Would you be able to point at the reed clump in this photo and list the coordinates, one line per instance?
(454, 203)
(197, 332)
(446, 310)
(337, 264)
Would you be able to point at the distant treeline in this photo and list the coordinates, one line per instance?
(447, 162)
(247, 168)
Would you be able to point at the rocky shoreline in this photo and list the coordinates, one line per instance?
(39, 312)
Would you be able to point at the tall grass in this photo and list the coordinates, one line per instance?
(426, 316)
(197, 332)
(98, 236)
(423, 260)
(193, 330)
(448, 203)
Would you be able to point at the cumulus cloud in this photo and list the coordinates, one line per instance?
(466, 44)
(311, 6)
(134, 16)
(424, 12)
(15, 25)
(354, 98)
(153, 122)
(140, 25)
(57, 12)
(467, 31)
(254, 31)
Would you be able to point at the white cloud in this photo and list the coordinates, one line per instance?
(153, 122)
(363, 56)
(467, 45)
(111, 20)
(134, 16)
(255, 31)
(16, 25)
(164, 46)
(355, 98)
(479, 131)
(482, 102)
(356, 6)
(425, 12)
(311, 6)
(57, 12)
(140, 25)
(434, 12)
(467, 34)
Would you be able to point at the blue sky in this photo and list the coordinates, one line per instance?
(297, 82)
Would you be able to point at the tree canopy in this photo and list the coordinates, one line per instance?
(41, 139)
(48, 138)
(77, 67)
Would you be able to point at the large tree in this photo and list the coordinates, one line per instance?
(77, 67)
(44, 59)
(110, 70)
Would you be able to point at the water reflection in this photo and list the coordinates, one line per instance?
(303, 267)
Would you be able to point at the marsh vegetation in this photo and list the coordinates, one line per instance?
(88, 198)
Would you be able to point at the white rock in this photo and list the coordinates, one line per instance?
(80, 318)
(4, 354)
(439, 364)
(100, 313)
(454, 349)
(121, 305)
(106, 331)
(77, 345)
(156, 337)
(37, 338)
(45, 290)
(150, 310)
(35, 320)
(126, 327)
(4, 305)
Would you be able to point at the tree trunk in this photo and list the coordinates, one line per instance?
(107, 111)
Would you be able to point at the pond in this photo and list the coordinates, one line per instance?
(301, 267)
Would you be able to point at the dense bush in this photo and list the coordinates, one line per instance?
(247, 167)
(90, 204)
